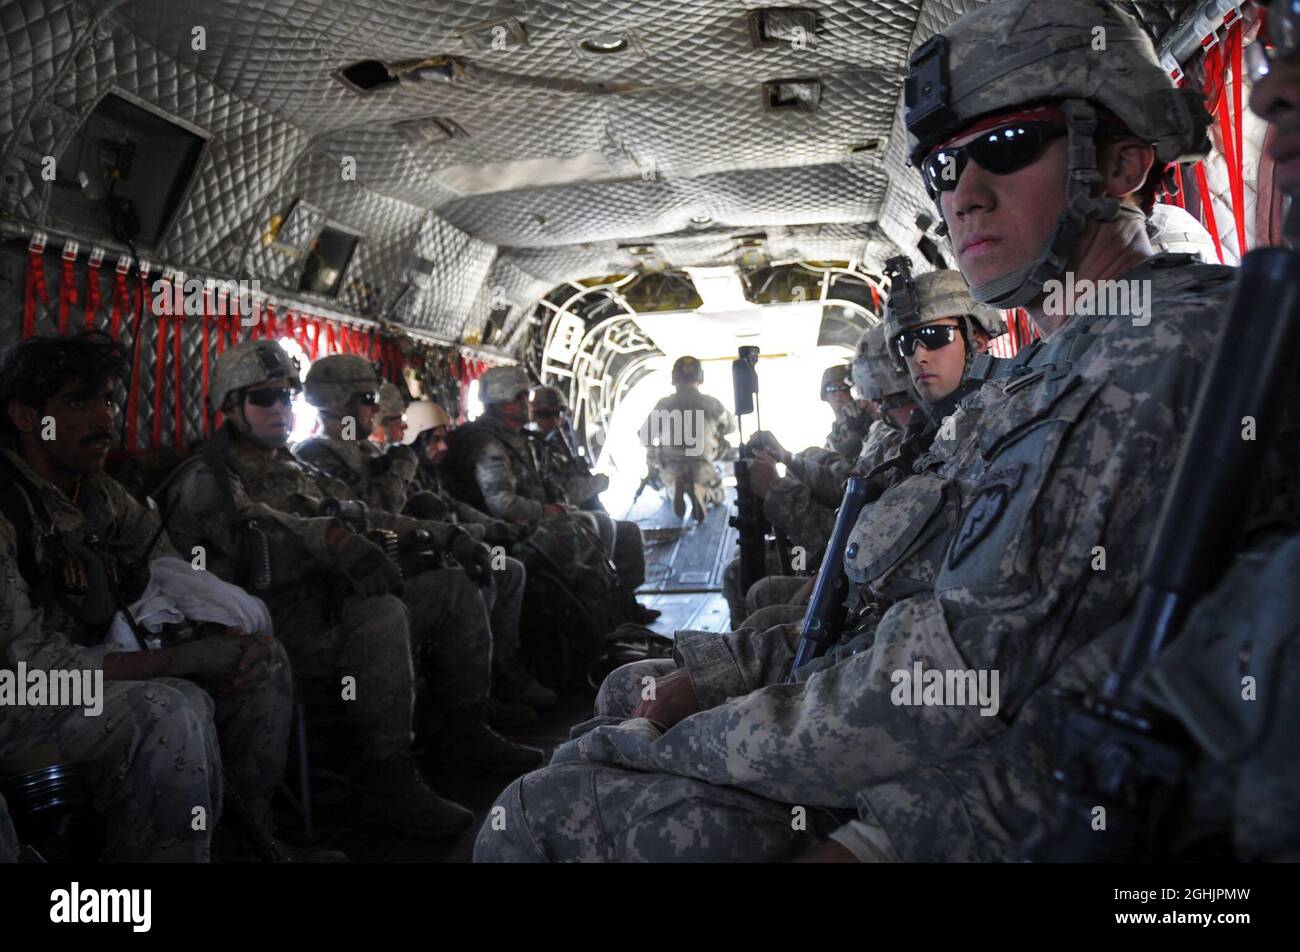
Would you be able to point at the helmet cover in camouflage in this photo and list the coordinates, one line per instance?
(549, 399)
(875, 376)
(1082, 54)
(391, 402)
(502, 384)
(424, 415)
(914, 301)
(687, 369)
(835, 378)
(332, 381)
(249, 363)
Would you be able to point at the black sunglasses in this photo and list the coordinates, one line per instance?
(931, 337)
(270, 397)
(1000, 151)
(369, 399)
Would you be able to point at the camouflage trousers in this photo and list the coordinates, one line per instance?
(698, 472)
(504, 598)
(740, 602)
(155, 755)
(589, 813)
(451, 636)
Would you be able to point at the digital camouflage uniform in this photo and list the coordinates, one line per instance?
(1072, 451)
(497, 466)
(154, 749)
(385, 480)
(329, 632)
(689, 431)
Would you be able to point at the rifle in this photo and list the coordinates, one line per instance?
(823, 623)
(749, 519)
(1117, 750)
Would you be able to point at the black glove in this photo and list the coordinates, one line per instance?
(504, 533)
(368, 567)
(472, 556)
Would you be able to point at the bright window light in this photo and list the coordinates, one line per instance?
(305, 418)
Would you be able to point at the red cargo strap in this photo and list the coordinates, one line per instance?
(35, 283)
(1207, 208)
(270, 327)
(121, 297)
(94, 299)
(207, 327)
(160, 366)
(178, 392)
(68, 286)
(331, 338)
(143, 303)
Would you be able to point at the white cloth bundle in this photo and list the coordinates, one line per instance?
(176, 592)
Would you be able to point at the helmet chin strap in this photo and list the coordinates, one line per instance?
(1019, 287)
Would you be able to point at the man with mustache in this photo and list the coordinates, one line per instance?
(1042, 167)
(75, 549)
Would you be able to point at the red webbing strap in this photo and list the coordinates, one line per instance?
(121, 297)
(207, 326)
(178, 391)
(35, 284)
(1013, 338)
(1239, 178)
(143, 303)
(875, 298)
(94, 298)
(300, 332)
(223, 300)
(270, 328)
(314, 351)
(68, 285)
(1207, 208)
(160, 366)
(331, 338)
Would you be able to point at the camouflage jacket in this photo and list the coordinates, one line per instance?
(381, 479)
(278, 494)
(442, 505)
(571, 472)
(1069, 453)
(688, 425)
(847, 435)
(53, 634)
(496, 468)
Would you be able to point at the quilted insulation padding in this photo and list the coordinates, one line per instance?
(682, 108)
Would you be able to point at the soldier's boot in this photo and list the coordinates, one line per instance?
(515, 684)
(507, 716)
(394, 795)
(698, 506)
(679, 497)
(466, 743)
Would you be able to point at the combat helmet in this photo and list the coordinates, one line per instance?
(548, 399)
(421, 416)
(391, 402)
(1082, 54)
(332, 381)
(502, 384)
(875, 376)
(835, 378)
(918, 300)
(687, 370)
(249, 363)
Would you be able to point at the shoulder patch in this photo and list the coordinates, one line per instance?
(987, 504)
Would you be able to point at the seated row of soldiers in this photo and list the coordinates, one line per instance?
(387, 597)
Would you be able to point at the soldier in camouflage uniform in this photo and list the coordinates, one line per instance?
(342, 387)
(684, 435)
(261, 517)
(73, 546)
(561, 459)
(390, 429)
(495, 465)
(851, 417)
(803, 502)
(986, 557)
(430, 437)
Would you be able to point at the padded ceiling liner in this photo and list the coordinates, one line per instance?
(678, 121)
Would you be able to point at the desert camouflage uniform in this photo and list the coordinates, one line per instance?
(1071, 451)
(687, 450)
(496, 465)
(153, 736)
(329, 632)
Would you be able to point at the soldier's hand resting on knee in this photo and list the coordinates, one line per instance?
(674, 700)
(472, 556)
(227, 662)
(365, 564)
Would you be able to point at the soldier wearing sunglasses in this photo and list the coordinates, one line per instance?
(1047, 149)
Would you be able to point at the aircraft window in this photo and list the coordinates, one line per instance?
(124, 172)
(327, 262)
